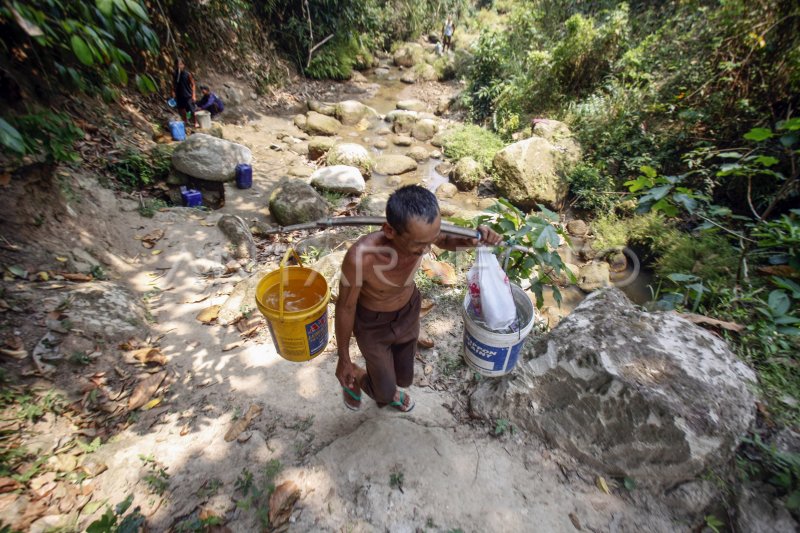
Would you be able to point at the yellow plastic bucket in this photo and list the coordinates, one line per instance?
(295, 301)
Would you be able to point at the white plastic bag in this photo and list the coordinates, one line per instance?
(489, 292)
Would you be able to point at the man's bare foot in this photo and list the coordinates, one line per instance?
(402, 402)
(352, 396)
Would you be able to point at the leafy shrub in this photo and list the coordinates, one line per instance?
(334, 61)
(537, 232)
(593, 190)
(44, 134)
(474, 141)
(136, 169)
(709, 256)
(649, 230)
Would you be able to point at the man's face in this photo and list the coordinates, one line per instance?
(418, 237)
(206, 91)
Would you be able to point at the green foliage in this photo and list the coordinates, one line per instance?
(335, 60)
(87, 44)
(536, 232)
(151, 207)
(396, 480)
(110, 521)
(474, 141)
(255, 493)
(594, 190)
(501, 426)
(156, 478)
(45, 134)
(135, 169)
(779, 469)
(708, 256)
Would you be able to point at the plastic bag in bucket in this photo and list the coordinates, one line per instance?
(294, 299)
(489, 295)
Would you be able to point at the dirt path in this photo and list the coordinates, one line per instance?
(375, 470)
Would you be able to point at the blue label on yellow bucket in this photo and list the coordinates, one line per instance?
(317, 333)
(491, 358)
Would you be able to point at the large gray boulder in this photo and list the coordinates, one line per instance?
(319, 146)
(350, 112)
(373, 205)
(392, 164)
(534, 171)
(295, 202)
(424, 129)
(209, 158)
(319, 124)
(408, 55)
(412, 104)
(353, 155)
(402, 121)
(339, 178)
(467, 174)
(322, 107)
(237, 231)
(646, 395)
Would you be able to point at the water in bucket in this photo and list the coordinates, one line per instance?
(294, 299)
(492, 353)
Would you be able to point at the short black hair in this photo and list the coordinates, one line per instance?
(204, 87)
(411, 201)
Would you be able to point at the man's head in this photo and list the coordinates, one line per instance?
(412, 219)
(204, 89)
(179, 64)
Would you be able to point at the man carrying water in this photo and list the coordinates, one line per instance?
(379, 302)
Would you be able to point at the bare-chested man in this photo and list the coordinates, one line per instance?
(379, 302)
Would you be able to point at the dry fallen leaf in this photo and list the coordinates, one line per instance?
(281, 503)
(704, 320)
(601, 484)
(150, 355)
(231, 346)
(439, 271)
(152, 403)
(155, 252)
(425, 341)
(426, 307)
(144, 390)
(7, 484)
(209, 314)
(150, 240)
(575, 522)
(75, 276)
(14, 354)
(241, 424)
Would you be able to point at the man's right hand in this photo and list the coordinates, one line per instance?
(346, 372)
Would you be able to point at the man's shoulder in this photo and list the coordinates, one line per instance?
(363, 248)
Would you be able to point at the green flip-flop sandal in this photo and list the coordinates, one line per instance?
(400, 404)
(347, 392)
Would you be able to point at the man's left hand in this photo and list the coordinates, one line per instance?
(489, 237)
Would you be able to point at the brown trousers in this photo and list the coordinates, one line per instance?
(388, 342)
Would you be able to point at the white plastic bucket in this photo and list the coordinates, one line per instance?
(496, 354)
(204, 119)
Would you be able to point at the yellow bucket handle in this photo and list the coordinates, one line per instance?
(285, 276)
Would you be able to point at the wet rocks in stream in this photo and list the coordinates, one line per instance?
(295, 202)
(341, 179)
(353, 155)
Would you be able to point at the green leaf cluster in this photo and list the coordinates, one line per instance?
(540, 265)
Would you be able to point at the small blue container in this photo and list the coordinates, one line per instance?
(244, 176)
(191, 197)
(177, 129)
